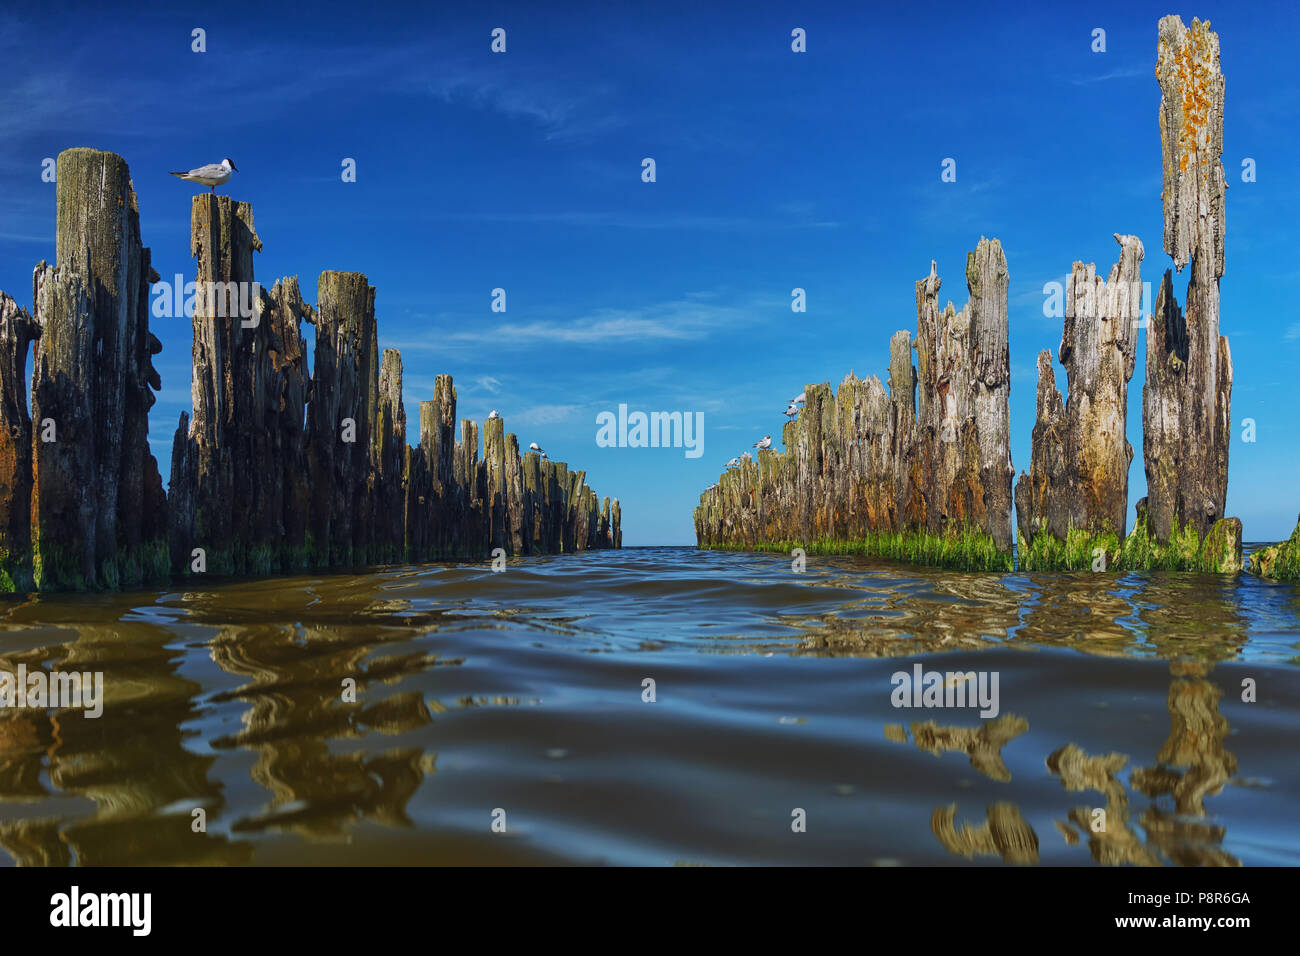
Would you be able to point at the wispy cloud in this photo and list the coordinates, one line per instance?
(559, 112)
(690, 318)
(1121, 73)
(544, 414)
(78, 93)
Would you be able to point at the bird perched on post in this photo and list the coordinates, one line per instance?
(493, 414)
(801, 397)
(533, 446)
(211, 175)
(733, 463)
(764, 444)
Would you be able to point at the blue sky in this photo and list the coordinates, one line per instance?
(775, 170)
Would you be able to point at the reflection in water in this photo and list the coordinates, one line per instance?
(1005, 834)
(1196, 742)
(1184, 836)
(1110, 838)
(1096, 612)
(1161, 613)
(296, 709)
(984, 745)
(382, 717)
(132, 770)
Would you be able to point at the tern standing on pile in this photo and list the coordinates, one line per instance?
(211, 175)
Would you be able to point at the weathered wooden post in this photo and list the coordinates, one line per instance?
(99, 350)
(1186, 402)
(64, 499)
(289, 389)
(471, 534)
(438, 440)
(17, 332)
(909, 503)
(494, 460)
(341, 415)
(535, 504)
(1078, 476)
(990, 465)
(517, 517)
(390, 454)
(218, 450)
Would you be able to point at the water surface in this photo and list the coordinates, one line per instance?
(520, 695)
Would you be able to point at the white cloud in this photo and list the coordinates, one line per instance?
(1122, 73)
(543, 415)
(685, 319)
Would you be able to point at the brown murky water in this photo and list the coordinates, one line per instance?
(518, 697)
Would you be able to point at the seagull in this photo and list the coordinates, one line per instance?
(733, 463)
(493, 414)
(801, 397)
(746, 457)
(533, 446)
(765, 444)
(792, 411)
(213, 174)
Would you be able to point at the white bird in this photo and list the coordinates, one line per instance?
(746, 457)
(801, 397)
(792, 411)
(213, 174)
(764, 444)
(533, 446)
(493, 414)
(733, 463)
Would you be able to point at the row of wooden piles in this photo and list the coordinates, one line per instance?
(279, 468)
(931, 456)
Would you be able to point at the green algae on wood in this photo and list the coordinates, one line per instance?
(963, 549)
(1218, 552)
(1076, 488)
(1280, 561)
